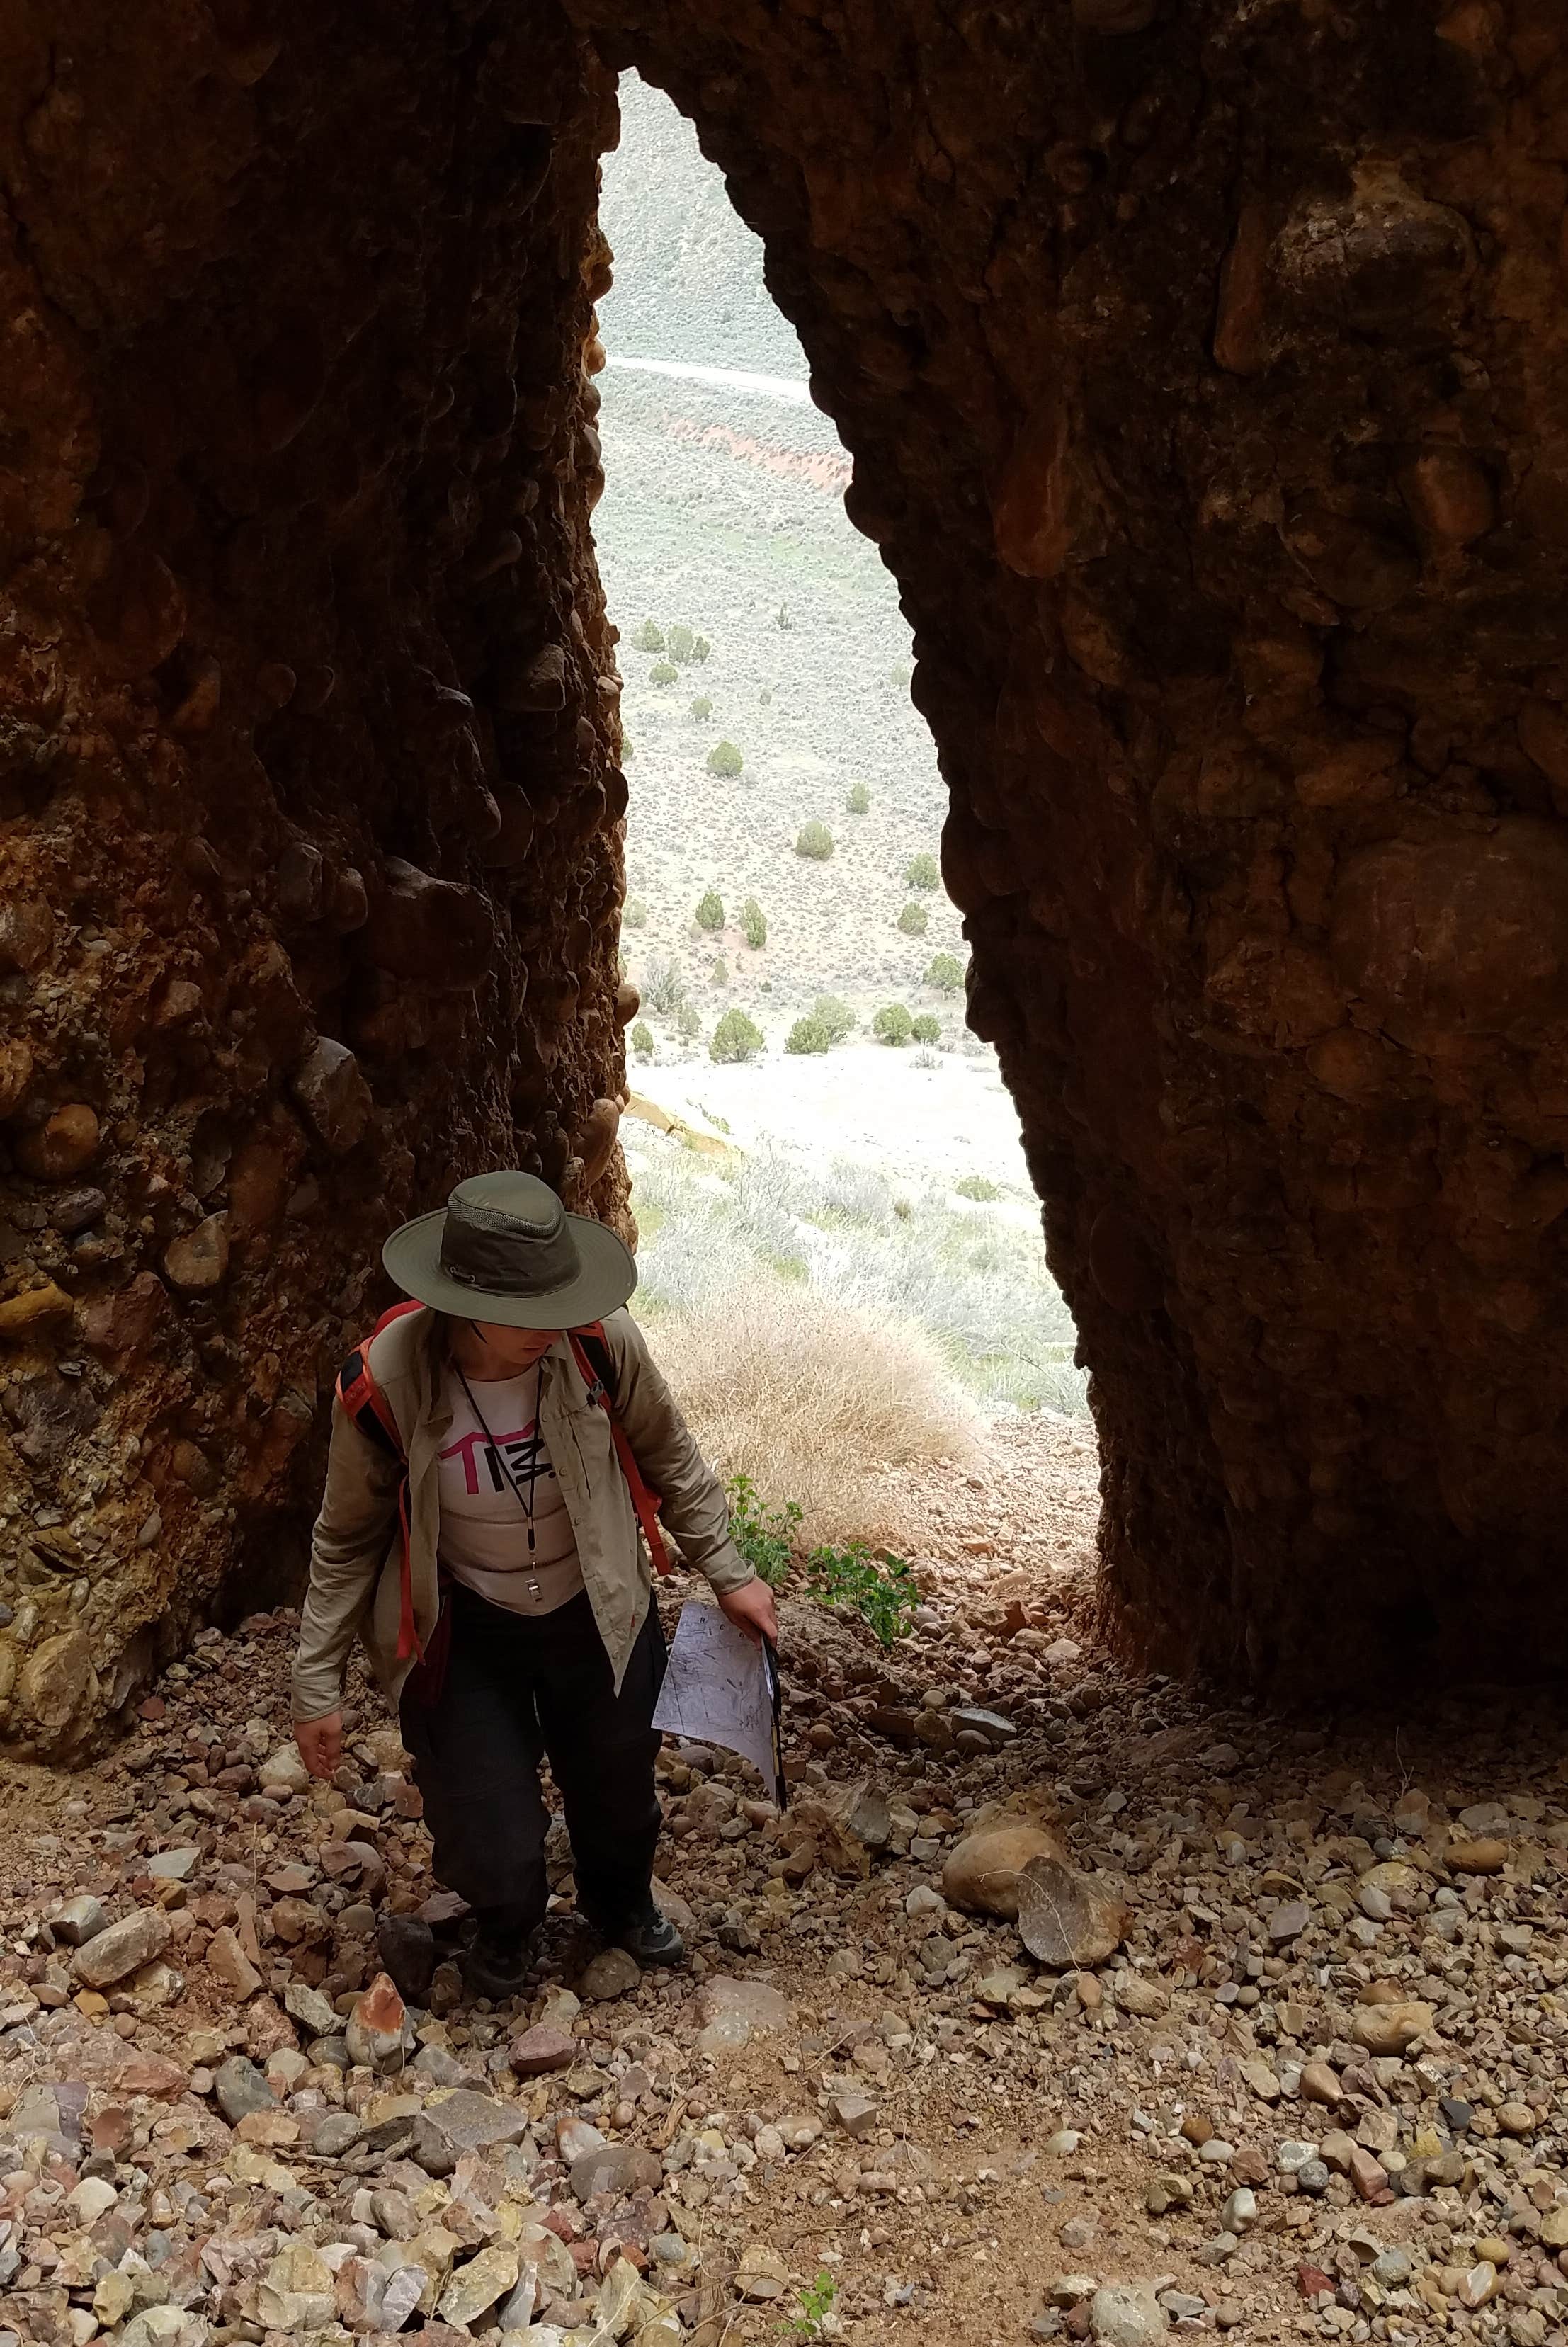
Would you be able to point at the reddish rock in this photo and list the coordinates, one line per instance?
(111, 2129)
(334, 1094)
(432, 931)
(540, 2049)
(1369, 2177)
(61, 1146)
(121, 1325)
(27, 932)
(199, 1259)
(152, 2074)
(16, 1074)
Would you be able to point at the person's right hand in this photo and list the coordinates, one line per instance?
(320, 1742)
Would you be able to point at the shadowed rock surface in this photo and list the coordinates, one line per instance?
(1201, 370)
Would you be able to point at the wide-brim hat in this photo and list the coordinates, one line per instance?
(503, 1248)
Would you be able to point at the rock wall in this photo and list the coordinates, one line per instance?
(1204, 368)
(310, 850)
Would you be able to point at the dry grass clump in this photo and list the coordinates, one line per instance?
(815, 1402)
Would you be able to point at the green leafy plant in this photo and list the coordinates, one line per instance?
(836, 1015)
(634, 913)
(946, 972)
(859, 799)
(628, 750)
(976, 1186)
(753, 925)
(880, 1588)
(815, 839)
(702, 706)
(688, 1022)
(650, 637)
(642, 1040)
(764, 1535)
(923, 872)
(925, 1028)
(723, 758)
(912, 920)
(701, 648)
(736, 1037)
(711, 910)
(663, 671)
(664, 986)
(892, 1024)
(720, 973)
(815, 2305)
(785, 616)
(807, 1037)
(680, 642)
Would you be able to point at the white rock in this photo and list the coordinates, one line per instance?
(284, 1771)
(89, 2198)
(173, 1865)
(1127, 2314)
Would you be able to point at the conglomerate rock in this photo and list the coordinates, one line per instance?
(1202, 369)
(310, 852)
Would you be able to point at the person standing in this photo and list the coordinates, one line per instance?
(480, 1532)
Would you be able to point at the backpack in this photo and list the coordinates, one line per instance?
(362, 1401)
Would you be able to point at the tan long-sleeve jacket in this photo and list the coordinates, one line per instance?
(356, 1551)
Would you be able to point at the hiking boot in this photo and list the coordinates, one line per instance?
(649, 1935)
(496, 1968)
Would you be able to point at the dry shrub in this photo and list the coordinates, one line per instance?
(815, 1402)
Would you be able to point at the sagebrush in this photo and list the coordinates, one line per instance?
(806, 1396)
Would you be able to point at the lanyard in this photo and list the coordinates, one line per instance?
(500, 1457)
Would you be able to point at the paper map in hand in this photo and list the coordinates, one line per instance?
(720, 1688)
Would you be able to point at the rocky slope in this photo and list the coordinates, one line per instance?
(1296, 2068)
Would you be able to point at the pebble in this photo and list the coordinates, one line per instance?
(122, 1948)
(239, 2087)
(377, 2027)
(611, 1974)
(1127, 2314)
(899, 2013)
(541, 2049)
(623, 2168)
(77, 1921)
(173, 1865)
(854, 2111)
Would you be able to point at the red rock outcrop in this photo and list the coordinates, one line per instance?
(309, 864)
(1203, 371)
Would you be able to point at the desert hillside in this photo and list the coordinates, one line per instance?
(752, 616)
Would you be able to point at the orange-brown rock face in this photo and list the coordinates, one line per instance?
(301, 637)
(1203, 370)
(1203, 367)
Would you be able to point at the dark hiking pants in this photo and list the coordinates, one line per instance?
(517, 1687)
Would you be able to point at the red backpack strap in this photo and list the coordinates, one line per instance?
(360, 1397)
(585, 1343)
(362, 1401)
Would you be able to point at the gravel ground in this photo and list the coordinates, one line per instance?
(1291, 2065)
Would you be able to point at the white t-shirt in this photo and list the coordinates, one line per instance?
(484, 1538)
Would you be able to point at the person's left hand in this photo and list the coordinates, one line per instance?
(751, 1609)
